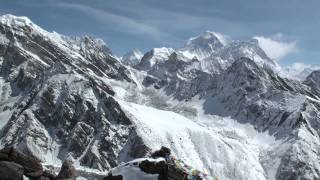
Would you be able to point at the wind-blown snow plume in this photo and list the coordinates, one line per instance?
(274, 48)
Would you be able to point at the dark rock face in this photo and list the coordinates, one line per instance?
(137, 147)
(14, 164)
(50, 175)
(111, 177)
(67, 171)
(11, 171)
(176, 174)
(313, 80)
(80, 138)
(32, 166)
(163, 152)
(160, 168)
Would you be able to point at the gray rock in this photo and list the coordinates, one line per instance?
(111, 177)
(11, 171)
(32, 166)
(67, 171)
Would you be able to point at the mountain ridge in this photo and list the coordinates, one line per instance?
(71, 98)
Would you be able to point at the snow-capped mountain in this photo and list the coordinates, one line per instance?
(211, 52)
(132, 58)
(154, 57)
(226, 112)
(54, 99)
(204, 45)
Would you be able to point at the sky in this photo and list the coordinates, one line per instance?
(288, 30)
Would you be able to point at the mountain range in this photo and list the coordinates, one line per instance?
(222, 106)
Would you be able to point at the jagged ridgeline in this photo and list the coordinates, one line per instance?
(220, 106)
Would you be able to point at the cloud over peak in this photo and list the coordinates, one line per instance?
(275, 47)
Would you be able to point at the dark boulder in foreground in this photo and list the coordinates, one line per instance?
(111, 177)
(160, 165)
(32, 167)
(14, 165)
(163, 152)
(10, 170)
(151, 167)
(67, 171)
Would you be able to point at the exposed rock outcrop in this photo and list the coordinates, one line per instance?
(161, 165)
(67, 171)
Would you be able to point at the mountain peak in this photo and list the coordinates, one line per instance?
(162, 50)
(313, 80)
(23, 26)
(155, 56)
(204, 45)
(208, 36)
(20, 24)
(11, 20)
(132, 58)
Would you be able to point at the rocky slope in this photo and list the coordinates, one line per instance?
(55, 101)
(219, 106)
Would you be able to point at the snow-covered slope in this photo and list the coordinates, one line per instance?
(225, 112)
(218, 146)
(250, 94)
(132, 171)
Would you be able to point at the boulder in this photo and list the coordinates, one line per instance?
(154, 167)
(174, 173)
(48, 175)
(163, 152)
(32, 166)
(11, 171)
(67, 171)
(111, 177)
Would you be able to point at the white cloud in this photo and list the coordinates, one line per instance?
(298, 70)
(299, 66)
(274, 47)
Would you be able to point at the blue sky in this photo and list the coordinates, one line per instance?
(289, 27)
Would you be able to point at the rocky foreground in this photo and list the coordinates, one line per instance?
(15, 165)
(159, 166)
